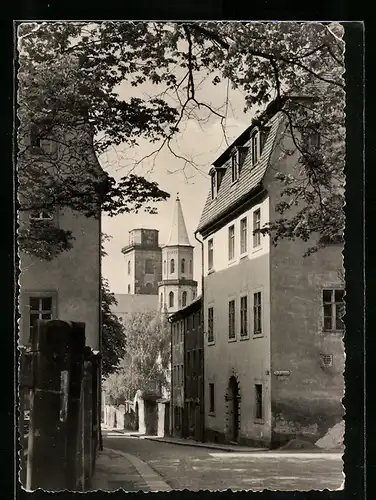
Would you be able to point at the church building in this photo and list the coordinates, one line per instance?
(177, 288)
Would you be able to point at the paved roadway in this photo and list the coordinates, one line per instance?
(197, 468)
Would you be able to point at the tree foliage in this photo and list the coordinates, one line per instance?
(145, 364)
(113, 334)
(73, 68)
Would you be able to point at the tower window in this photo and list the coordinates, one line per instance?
(162, 300)
(183, 266)
(129, 267)
(171, 299)
(129, 288)
(172, 266)
(184, 299)
(164, 267)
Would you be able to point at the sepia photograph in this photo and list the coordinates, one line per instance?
(180, 235)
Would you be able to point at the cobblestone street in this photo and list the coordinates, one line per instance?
(197, 468)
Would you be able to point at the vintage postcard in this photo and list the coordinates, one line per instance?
(180, 235)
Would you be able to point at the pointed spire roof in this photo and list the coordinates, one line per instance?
(178, 233)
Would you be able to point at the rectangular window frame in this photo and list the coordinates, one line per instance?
(26, 296)
(242, 335)
(259, 402)
(211, 398)
(211, 336)
(333, 309)
(210, 254)
(231, 243)
(243, 229)
(256, 224)
(257, 333)
(234, 168)
(231, 320)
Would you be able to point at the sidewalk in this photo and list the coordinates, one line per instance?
(116, 470)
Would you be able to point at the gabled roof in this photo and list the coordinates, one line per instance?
(178, 233)
(229, 195)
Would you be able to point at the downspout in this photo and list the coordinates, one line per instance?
(203, 336)
(172, 379)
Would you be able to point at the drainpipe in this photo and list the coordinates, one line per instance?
(172, 377)
(202, 333)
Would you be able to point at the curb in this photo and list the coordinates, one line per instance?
(204, 445)
(153, 480)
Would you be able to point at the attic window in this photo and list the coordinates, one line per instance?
(255, 145)
(242, 154)
(214, 185)
(234, 167)
(41, 215)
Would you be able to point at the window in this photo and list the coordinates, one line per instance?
(149, 267)
(182, 375)
(231, 319)
(190, 266)
(255, 147)
(326, 360)
(231, 242)
(244, 316)
(213, 185)
(258, 395)
(164, 267)
(256, 228)
(234, 167)
(184, 299)
(161, 299)
(211, 324)
(172, 266)
(193, 294)
(210, 254)
(333, 305)
(242, 154)
(211, 399)
(171, 299)
(257, 311)
(181, 330)
(39, 308)
(41, 215)
(129, 288)
(188, 361)
(243, 235)
(183, 266)
(129, 267)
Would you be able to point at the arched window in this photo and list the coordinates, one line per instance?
(172, 266)
(164, 267)
(184, 299)
(161, 299)
(129, 267)
(171, 299)
(129, 288)
(183, 266)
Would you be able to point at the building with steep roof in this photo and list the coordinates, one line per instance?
(177, 288)
(273, 350)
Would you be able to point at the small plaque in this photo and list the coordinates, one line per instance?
(282, 373)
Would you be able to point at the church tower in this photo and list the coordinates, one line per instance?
(177, 288)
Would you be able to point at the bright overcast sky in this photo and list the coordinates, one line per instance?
(202, 142)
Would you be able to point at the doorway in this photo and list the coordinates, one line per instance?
(233, 409)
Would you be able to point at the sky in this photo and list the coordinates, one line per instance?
(200, 141)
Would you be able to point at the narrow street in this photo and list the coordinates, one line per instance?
(196, 468)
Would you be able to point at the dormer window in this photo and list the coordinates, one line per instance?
(214, 185)
(235, 167)
(255, 145)
(42, 215)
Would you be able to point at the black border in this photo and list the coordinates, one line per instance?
(354, 251)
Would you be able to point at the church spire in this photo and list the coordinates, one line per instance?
(178, 233)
